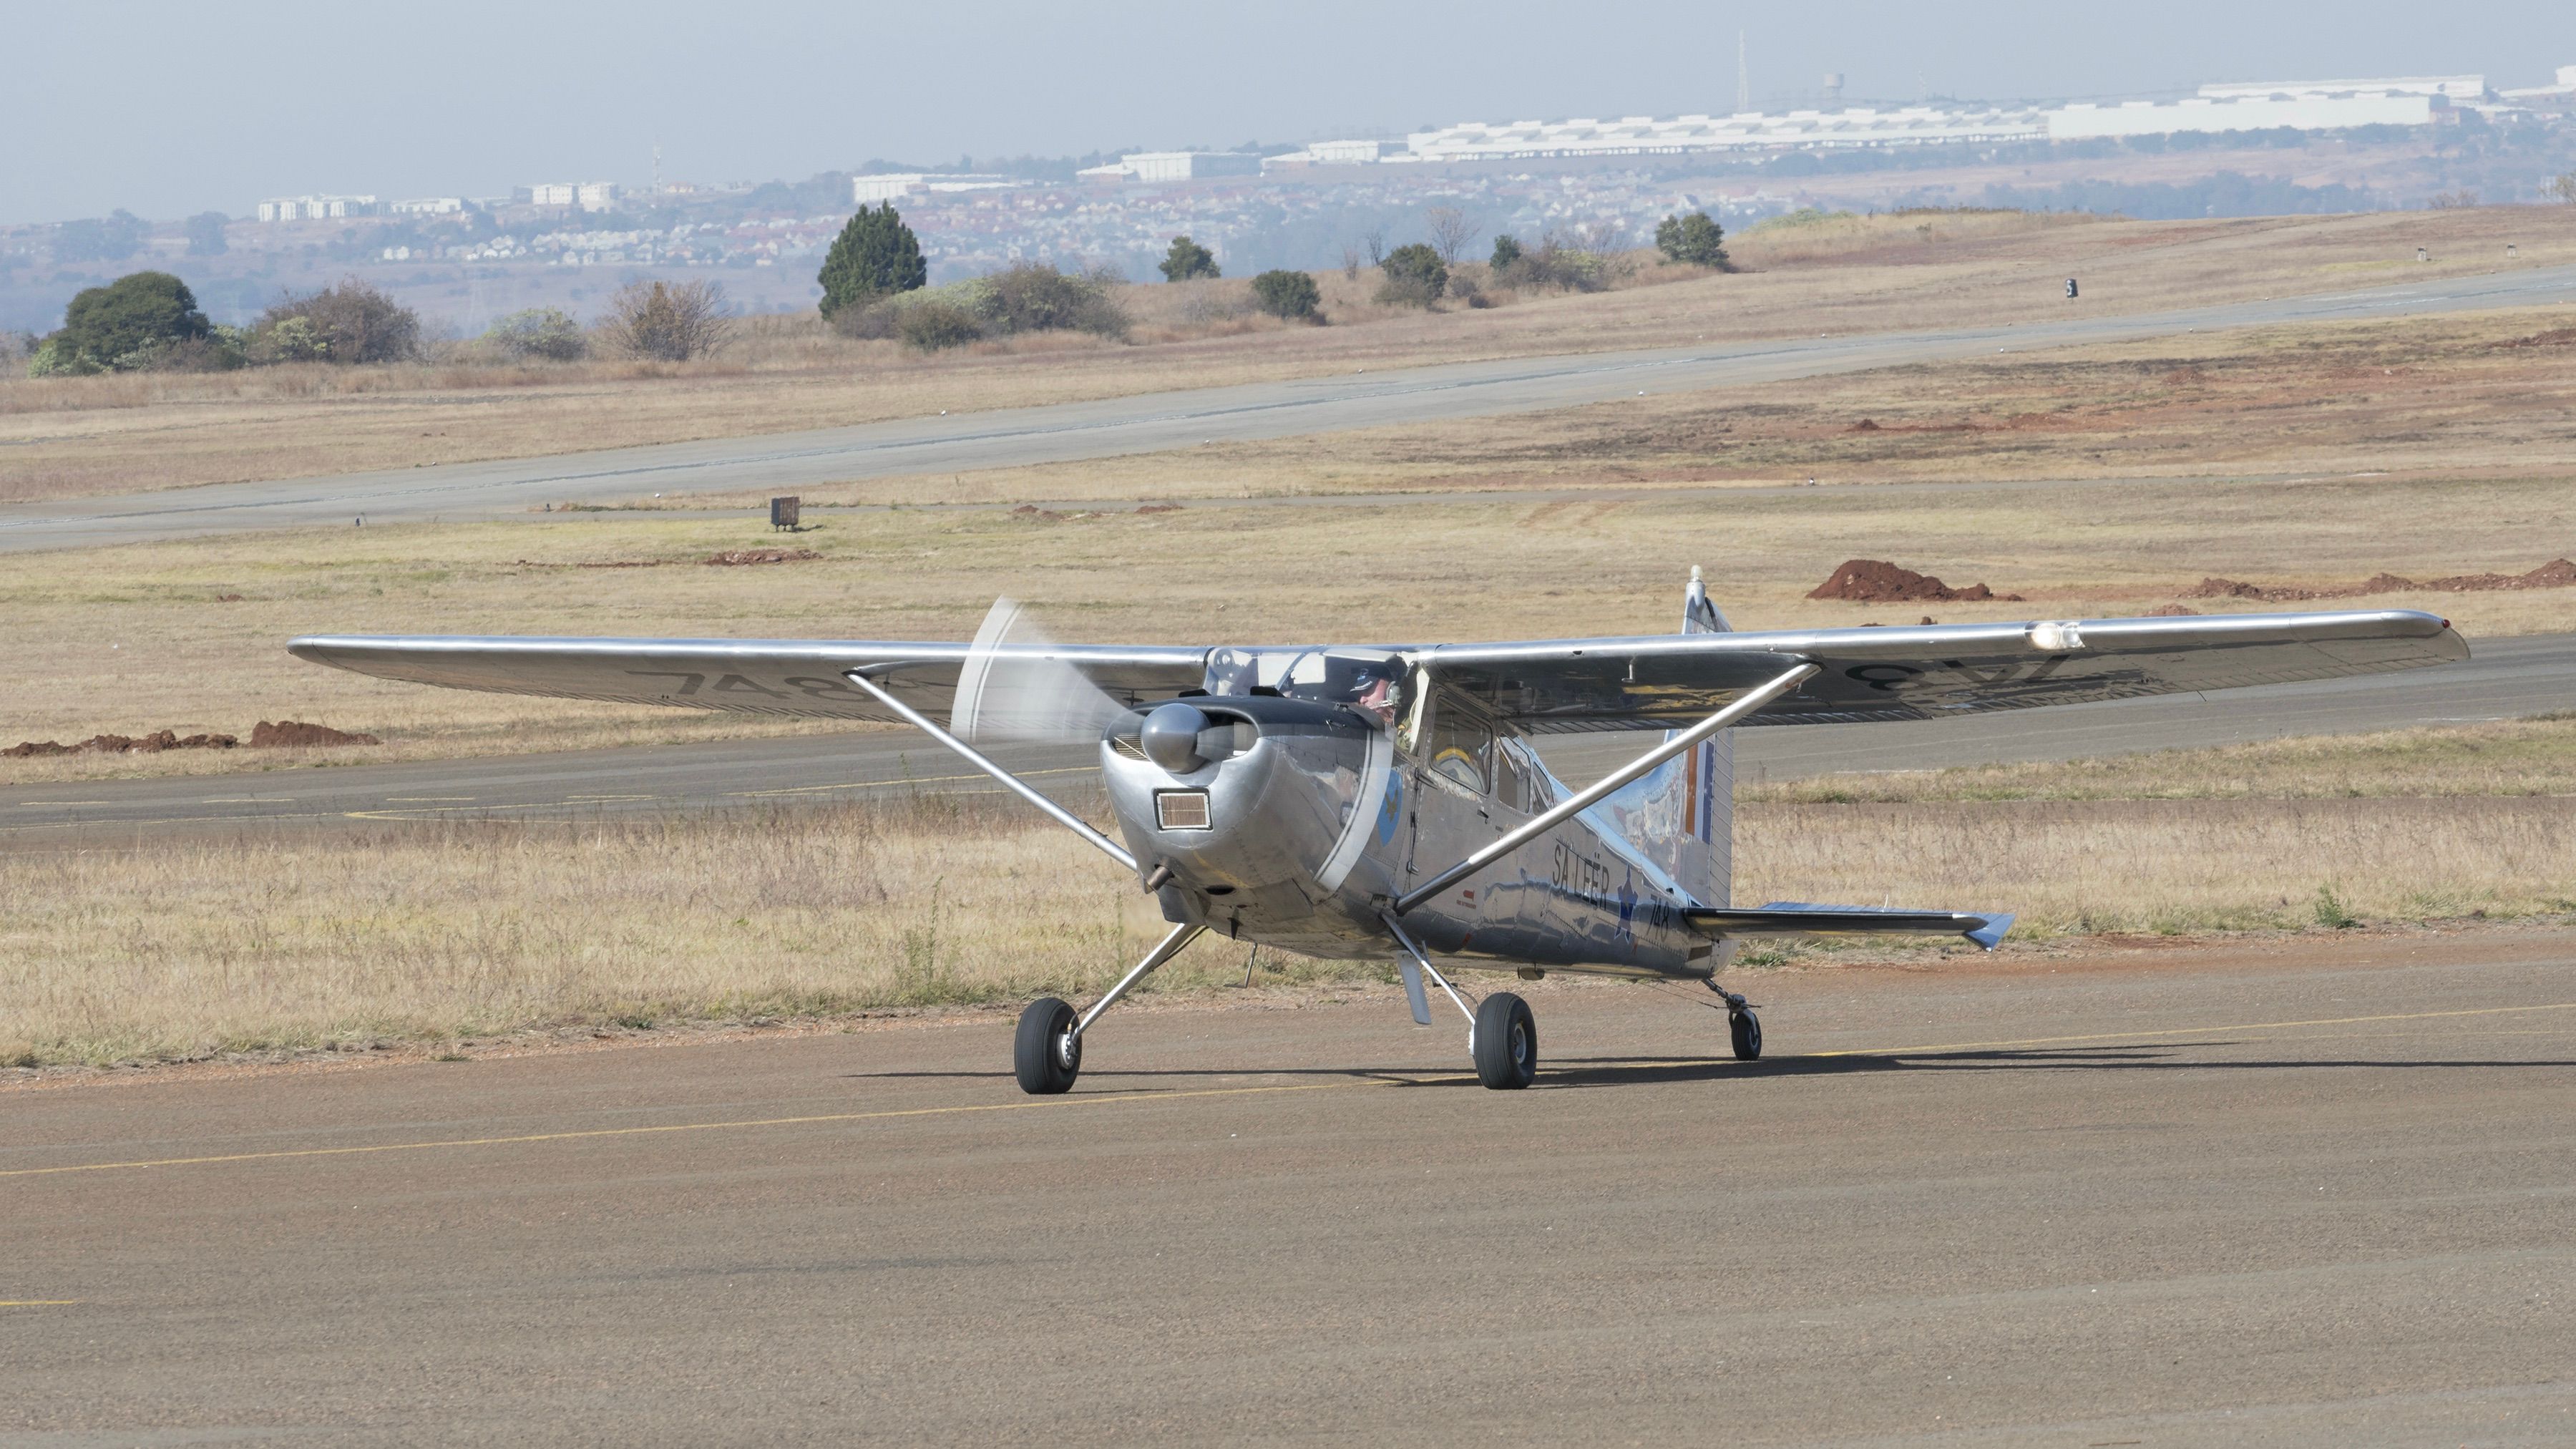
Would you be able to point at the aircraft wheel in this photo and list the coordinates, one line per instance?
(1047, 1056)
(1506, 1045)
(1746, 1029)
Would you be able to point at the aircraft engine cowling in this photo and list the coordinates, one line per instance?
(1246, 798)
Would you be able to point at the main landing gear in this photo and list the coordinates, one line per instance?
(1048, 1054)
(1504, 1043)
(1743, 1028)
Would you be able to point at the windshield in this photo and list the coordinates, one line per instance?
(1363, 679)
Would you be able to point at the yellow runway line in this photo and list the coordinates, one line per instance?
(1063, 1102)
(37, 1302)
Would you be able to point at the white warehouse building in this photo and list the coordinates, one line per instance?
(2250, 113)
(314, 208)
(895, 185)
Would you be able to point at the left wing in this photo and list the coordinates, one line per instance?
(1664, 680)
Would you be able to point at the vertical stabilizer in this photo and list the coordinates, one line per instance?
(1682, 816)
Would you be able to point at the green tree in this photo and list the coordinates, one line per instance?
(350, 323)
(538, 332)
(206, 234)
(126, 323)
(112, 238)
(1287, 294)
(1415, 276)
(1507, 250)
(1692, 239)
(1188, 259)
(876, 255)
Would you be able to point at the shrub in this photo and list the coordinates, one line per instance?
(1693, 240)
(1187, 259)
(935, 324)
(124, 325)
(1035, 297)
(1287, 294)
(350, 323)
(1559, 265)
(665, 322)
(1507, 250)
(539, 332)
(1415, 276)
(875, 255)
(874, 320)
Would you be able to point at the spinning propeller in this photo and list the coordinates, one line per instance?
(1013, 687)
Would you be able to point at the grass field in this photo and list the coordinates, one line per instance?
(472, 930)
(67, 437)
(141, 638)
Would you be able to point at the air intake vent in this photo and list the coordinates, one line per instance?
(1181, 810)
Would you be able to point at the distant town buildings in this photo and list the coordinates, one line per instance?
(315, 208)
(2315, 112)
(896, 185)
(587, 195)
(1165, 166)
(427, 206)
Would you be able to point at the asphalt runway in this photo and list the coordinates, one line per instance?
(2308, 1192)
(2507, 678)
(1160, 421)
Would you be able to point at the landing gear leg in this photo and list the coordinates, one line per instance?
(1048, 1054)
(1743, 1028)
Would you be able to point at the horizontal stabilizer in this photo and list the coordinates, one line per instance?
(1799, 918)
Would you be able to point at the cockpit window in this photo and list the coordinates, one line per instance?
(1359, 678)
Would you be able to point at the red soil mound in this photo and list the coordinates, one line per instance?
(1875, 581)
(288, 734)
(151, 744)
(2558, 573)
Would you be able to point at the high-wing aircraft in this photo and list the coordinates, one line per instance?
(1376, 801)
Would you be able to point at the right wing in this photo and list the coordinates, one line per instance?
(757, 676)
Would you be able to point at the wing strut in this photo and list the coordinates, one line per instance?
(1601, 789)
(1011, 782)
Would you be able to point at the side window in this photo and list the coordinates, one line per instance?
(1458, 747)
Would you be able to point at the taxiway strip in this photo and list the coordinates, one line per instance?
(2508, 678)
(1161, 421)
(2311, 1191)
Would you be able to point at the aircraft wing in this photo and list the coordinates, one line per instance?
(1656, 681)
(757, 676)
(1799, 918)
(1664, 681)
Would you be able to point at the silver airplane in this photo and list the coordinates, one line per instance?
(1363, 802)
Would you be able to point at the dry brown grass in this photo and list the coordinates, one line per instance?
(461, 931)
(130, 640)
(2531, 758)
(70, 437)
(2442, 397)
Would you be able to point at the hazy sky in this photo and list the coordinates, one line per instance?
(170, 108)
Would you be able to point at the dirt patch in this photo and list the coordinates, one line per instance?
(287, 734)
(2558, 573)
(1875, 581)
(2557, 337)
(2172, 611)
(1160, 508)
(151, 744)
(741, 557)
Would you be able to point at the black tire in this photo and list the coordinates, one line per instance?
(1746, 1029)
(1046, 1062)
(1506, 1043)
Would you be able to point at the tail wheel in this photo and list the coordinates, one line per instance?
(1047, 1056)
(1746, 1030)
(1506, 1045)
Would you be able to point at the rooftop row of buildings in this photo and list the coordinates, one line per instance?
(577, 195)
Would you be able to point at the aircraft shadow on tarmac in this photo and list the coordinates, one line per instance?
(1654, 1071)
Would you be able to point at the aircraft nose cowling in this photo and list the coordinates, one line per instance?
(1238, 795)
(1170, 736)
